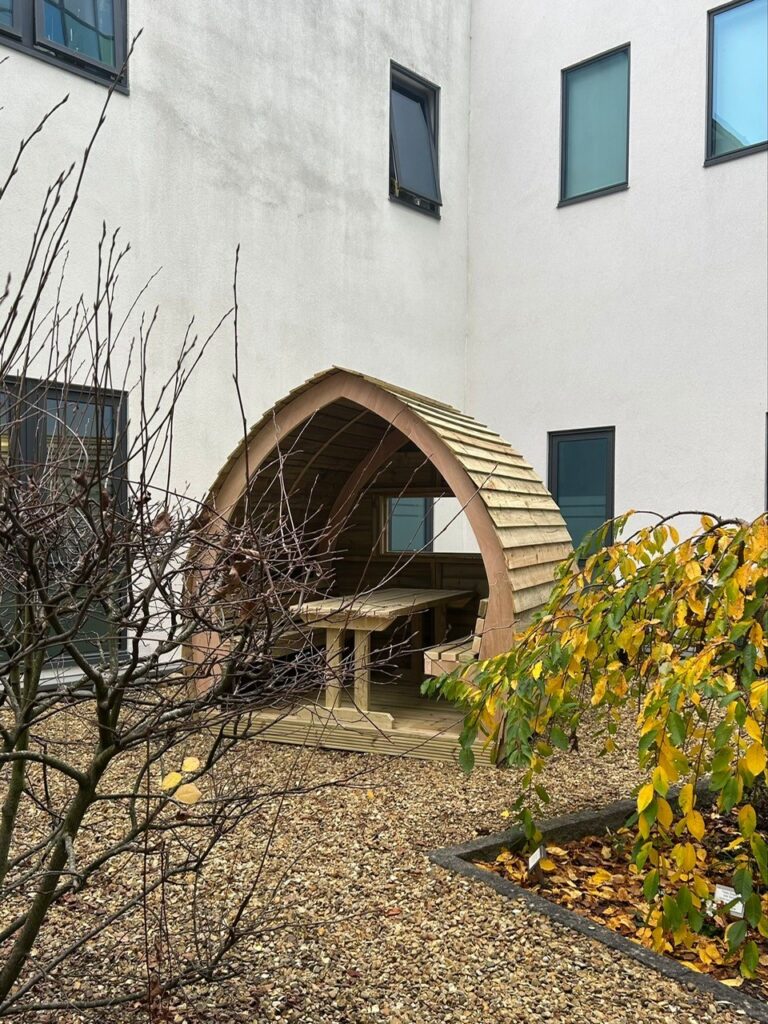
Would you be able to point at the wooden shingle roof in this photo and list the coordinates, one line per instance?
(520, 531)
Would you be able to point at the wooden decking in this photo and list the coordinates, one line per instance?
(400, 722)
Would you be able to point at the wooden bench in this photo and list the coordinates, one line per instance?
(450, 655)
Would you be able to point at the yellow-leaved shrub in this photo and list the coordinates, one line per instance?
(676, 628)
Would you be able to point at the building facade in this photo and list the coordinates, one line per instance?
(553, 216)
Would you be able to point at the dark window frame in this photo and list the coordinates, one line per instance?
(25, 35)
(429, 93)
(25, 449)
(554, 436)
(608, 189)
(709, 157)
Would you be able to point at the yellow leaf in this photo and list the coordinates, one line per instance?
(692, 571)
(674, 534)
(191, 764)
(188, 793)
(536, 670)
(695, 824)
(171, 780)
(755, 758)
(599, 691)
(732, 982)
(664, 813)
(547, 865)
(685, 856)
(686, 797)
(747, 820)
(700, 887)
(370, 794)
(600, 877)
(644, 797)
(753, 730)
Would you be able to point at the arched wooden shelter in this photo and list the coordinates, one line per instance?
(346, 443)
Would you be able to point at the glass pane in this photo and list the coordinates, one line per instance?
(6, 12)
(596, 96)
(79, 436)
(412, 131)
(84, 26)
(75, 442)
(740, 77)
(582, 484)
(452, 533)
(410, 524)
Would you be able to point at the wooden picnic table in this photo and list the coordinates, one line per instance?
(364, 615)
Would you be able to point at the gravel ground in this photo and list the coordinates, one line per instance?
(375, 933)
(382, 935)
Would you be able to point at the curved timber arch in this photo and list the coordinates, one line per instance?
(346, 426)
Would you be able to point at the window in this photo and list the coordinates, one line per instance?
(58, 434)
(413, 118)
(595, 126)
(85, 36)
(737, 90)
(409, 524)
(435, 525)
(581, 478)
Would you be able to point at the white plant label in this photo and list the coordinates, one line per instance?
(535, 858)
(724, 894)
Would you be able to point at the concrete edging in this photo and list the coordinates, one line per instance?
(572, 826)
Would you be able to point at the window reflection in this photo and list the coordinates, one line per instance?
(86, 27)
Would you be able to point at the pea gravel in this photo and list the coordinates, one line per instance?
(373, 933)
(381, 935)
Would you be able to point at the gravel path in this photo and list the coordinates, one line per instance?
(370, 931)
(381, 935)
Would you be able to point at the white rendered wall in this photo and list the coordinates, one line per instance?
(265, 124)
(644, 310)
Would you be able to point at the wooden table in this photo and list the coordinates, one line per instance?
(365, 615)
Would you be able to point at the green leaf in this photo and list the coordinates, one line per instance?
(672, 916)
(651, 885)
(760, 852)
(695, 919)
(467, 759)
(750, 960)
(752, 909)
(676, 726)
(742, 882)
(730, 794)
(559, 739)
(542, 794)
(684, 900)
(728, 567)
(748, 659)
(735, 934)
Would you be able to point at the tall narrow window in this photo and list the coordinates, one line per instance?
(67, 438)
(595, 126)
(86, 36)
(737, 116)
(409, 524)
(581, 478)
(413, 118)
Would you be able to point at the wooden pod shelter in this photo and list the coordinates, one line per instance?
(348, 445)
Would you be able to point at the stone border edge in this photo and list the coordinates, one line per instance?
(572, 826)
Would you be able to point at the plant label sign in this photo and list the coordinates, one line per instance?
(534, 861)
(724, 895)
